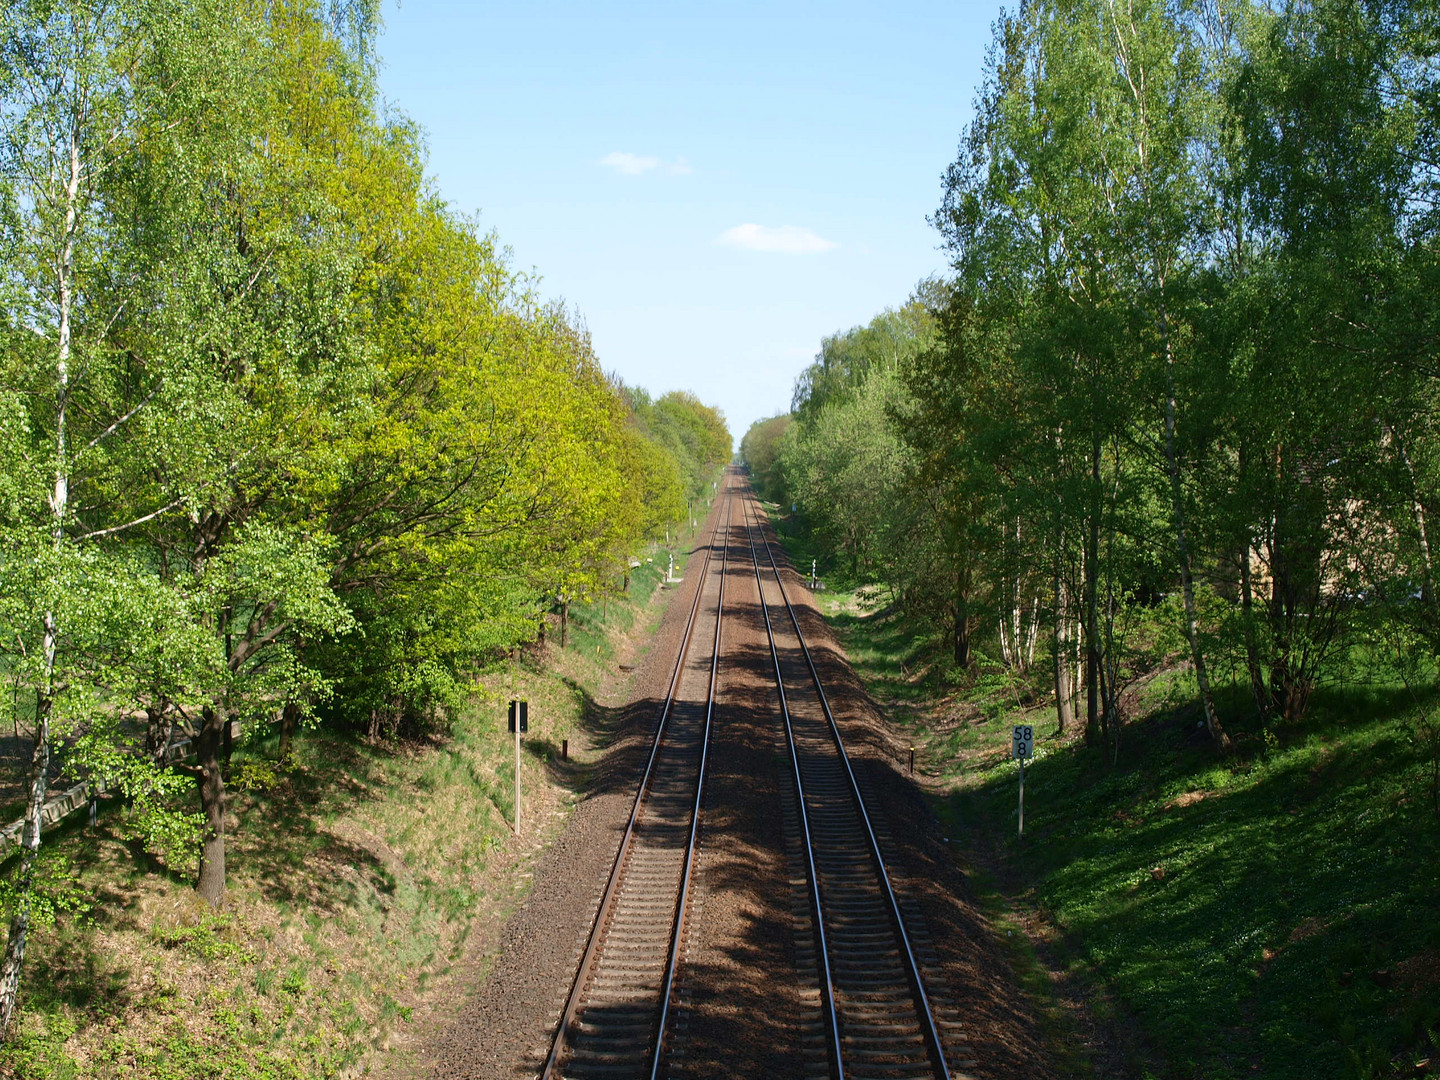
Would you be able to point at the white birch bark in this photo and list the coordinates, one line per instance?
(14, 957)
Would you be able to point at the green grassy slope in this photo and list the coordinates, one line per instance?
(360, 875)
(1274, 915)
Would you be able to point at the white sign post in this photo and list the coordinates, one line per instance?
(519, 725)
(1022, 746)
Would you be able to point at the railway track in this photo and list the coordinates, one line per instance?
(870, 952)
(879, 1020)
(615, 1016)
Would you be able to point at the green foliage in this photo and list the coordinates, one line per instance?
(845, 467)
(204, 940)
(280, 431)
(38, 1050)
(1176, 357)
(846, 359)
(843, 459)
(55, 890)
(760, 450)
(692, 433)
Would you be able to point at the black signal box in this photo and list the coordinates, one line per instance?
(520, 713)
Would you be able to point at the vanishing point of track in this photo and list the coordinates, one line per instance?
(878, 1019)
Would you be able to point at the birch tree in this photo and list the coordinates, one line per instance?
(67, 97)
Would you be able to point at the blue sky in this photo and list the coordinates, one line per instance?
(714, 187)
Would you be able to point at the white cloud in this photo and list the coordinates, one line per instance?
(785, 239)
(629, 164)
(637, 164)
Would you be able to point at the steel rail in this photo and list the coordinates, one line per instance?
(567, 1017)
(827, 983)
(677, 933)
(925, 1011)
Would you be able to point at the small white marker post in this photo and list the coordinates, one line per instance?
(519, 724)
(1022, 746)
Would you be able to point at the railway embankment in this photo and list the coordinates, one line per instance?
(370, 885)
(1172, 913)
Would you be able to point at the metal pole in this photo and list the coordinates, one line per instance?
(1022, 798)
(517, 775)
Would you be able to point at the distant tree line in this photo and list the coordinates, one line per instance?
(1177, 397)
(283, 437)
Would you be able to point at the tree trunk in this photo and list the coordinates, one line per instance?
(1109, 722)
(564, 622)
(962, 638)
(1109, 663)
(30, 846)
(1017, 606)
(211, 884)
(1296, 549)
(1258, 689)
(1182, 549)
(1064, 675)
(158, 727)
(1032, 634)
(1093, 734)
(59, 507)
(289, 719)
(1422, 532)
(1294, 573)
(962, 620)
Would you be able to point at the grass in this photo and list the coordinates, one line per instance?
(598, 627)
(1275, 914)
(363, 879)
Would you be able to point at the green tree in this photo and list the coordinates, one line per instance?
(80, 94)
(760, 450)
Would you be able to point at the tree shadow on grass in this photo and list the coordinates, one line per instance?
(71, 972)
(282, 840)
(1256, 914)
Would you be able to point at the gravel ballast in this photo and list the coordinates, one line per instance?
(743, 1006)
